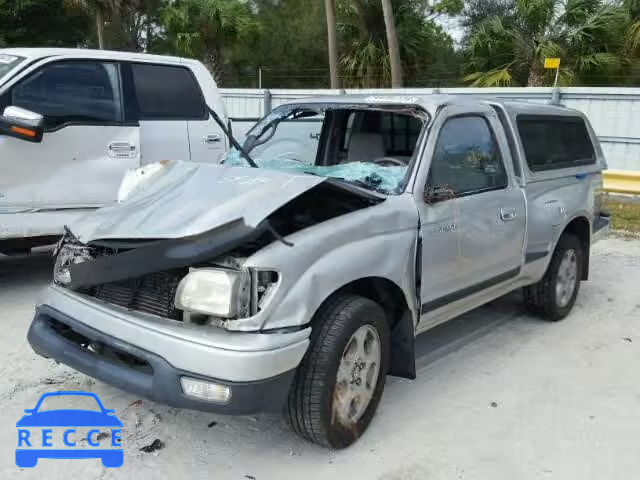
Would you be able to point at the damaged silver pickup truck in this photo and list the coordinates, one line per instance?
(301, 283)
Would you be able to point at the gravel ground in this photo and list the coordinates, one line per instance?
(499, 395)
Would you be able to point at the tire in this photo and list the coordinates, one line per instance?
(547, 298)
(317, 405)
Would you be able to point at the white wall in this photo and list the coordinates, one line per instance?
(613, 112)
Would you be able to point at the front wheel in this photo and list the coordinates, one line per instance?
(553, 297)
(340, 381)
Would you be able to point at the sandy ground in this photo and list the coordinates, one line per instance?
(499, 395)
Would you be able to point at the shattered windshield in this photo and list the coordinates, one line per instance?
(368, 147)
(7, 63)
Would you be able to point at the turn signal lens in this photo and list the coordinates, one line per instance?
(24, 131)
(211, 392)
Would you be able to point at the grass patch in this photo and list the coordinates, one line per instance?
(625, 215)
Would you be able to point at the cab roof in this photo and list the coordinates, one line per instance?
(37, 53)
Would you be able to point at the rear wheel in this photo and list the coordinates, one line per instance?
(340, 381)
(553, 297)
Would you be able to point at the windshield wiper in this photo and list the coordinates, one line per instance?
(358, 183)
(233, 141)
(364, 184)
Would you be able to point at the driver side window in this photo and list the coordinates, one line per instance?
(82, 92)
(466, 159)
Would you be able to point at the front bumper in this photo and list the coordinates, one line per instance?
(147, 356)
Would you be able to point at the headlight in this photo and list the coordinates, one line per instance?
(209, 291)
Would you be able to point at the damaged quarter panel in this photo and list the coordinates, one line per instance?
(378, 241)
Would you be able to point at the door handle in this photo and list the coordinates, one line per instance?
(121, 150)
(507, 215)
(212, 138)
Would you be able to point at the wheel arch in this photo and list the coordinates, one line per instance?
(393, 301)
(580, 227)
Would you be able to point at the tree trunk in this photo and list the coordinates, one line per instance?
(536, 78)
(214, 61)
(392, 40)
(100, 28)
(149, 32)
(333, 43)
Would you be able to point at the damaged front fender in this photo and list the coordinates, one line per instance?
(380, 241)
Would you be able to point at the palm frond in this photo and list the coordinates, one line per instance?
(500, 77)
(597, 62)
(606, 25)
(632, 39)
(366, 65)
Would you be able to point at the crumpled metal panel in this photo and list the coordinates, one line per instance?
(186, 199)
(37, 224)
(379, 241)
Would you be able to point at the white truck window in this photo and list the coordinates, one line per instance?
(78, 92)
(167, 93)
(555, 142)
(467, 158)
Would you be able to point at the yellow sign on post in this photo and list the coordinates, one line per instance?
(551, 63)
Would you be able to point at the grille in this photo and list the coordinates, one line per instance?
(153, 293)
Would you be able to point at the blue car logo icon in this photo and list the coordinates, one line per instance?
(40, 417)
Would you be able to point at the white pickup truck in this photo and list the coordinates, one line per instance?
(103, 114)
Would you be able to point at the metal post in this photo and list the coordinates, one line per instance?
(259, 77)
(555, 96)
(266, 101)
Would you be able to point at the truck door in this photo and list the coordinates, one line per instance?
(166, 98)
(87, 146)
(207, 141)
(473, 216)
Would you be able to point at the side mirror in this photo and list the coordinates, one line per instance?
(23, 124)
(437, 194)
(28, 410)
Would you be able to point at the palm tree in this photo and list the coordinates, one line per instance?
(392, 42)
(332, 43)
(365, 62)
(632, 40)
(100, 9)
(510, 48)
(204, 28)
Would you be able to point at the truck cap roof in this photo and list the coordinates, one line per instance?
(432, 102)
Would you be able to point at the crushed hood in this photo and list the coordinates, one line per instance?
(185, 199)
